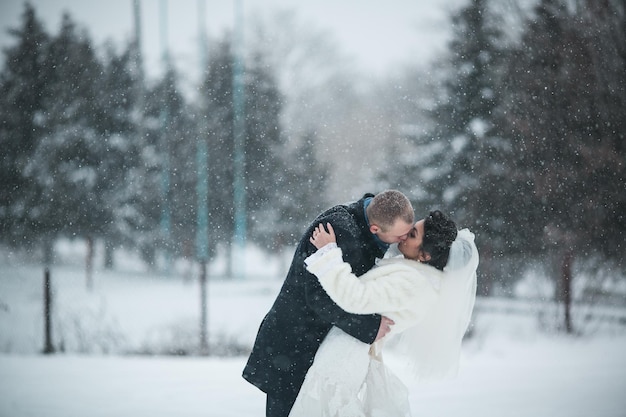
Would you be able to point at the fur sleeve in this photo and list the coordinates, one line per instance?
(392, 287)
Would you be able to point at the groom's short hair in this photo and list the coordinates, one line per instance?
(387, 207)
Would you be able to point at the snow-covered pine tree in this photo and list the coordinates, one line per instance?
(570, 151)
(263, 144)
(66, 164)
(458, 164)
(118, 125)
(22, 93)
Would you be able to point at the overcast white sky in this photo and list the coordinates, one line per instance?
(378, 33)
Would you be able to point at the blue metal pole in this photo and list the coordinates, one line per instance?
(165, 173)
(202, 191)
(239, 130)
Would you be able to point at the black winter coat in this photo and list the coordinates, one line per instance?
(302, 314)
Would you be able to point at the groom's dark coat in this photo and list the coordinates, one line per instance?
(302, 314)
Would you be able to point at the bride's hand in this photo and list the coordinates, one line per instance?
(321, 237)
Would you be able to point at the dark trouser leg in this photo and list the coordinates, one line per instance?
(278, 406)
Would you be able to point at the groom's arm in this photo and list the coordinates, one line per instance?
(364, 327)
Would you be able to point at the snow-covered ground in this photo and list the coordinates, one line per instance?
(548, 377)
(509, 366)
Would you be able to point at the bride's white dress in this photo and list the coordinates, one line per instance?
(345, 381)
(431, 308)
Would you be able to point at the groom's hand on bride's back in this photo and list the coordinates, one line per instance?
(385, 327)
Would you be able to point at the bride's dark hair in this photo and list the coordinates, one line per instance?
(439, 233)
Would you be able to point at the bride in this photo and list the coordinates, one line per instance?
(428, 292)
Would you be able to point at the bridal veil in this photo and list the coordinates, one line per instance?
(434, 345)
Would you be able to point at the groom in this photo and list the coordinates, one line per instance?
(302, 314)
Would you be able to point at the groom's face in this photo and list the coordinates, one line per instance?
(397, 233)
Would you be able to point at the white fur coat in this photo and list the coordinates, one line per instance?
(431, 308)
(398, 288)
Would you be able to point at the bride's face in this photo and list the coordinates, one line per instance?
(411, 248)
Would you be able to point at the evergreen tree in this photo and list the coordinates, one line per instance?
(459, 165)
(570, 150)
(465, 117)
(22, 95)
(153, 195)
(217, 109)
(181, 135)
(603, 27)
(264, 168)
(118, 126)
(298, 197)
(68, 161)
(263, 141)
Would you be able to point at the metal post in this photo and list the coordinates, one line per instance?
(202, 192)
(204, 315)
(165, 174)
(137, 38)
(239, 130)
(47, 312)
(138, 67)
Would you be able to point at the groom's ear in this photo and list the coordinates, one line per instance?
(425, 256)
(374, 229)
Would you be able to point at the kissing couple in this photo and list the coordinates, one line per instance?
(318, 351)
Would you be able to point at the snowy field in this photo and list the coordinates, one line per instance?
(115, 341)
